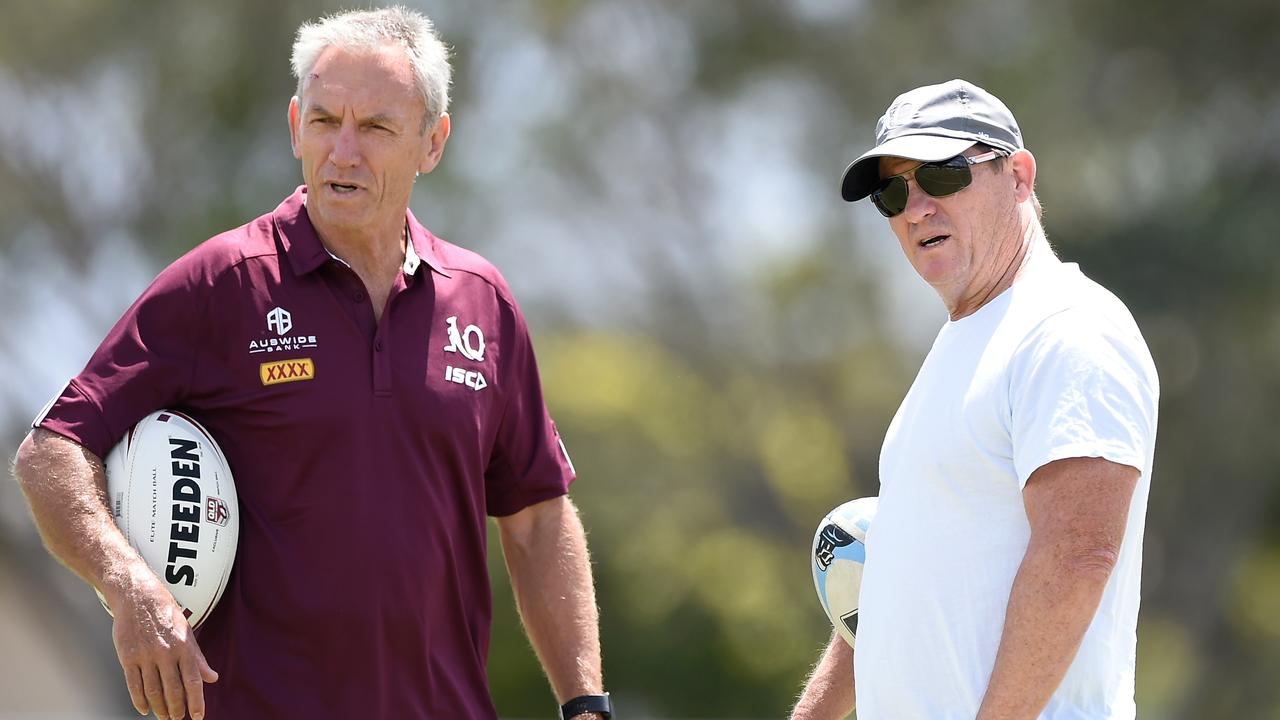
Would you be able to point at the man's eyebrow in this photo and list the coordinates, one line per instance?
(380, 119)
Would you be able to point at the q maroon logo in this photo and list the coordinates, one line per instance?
(469, 342)
(216, 511)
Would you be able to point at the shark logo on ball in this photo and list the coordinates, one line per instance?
(837, 558)
(830, 538)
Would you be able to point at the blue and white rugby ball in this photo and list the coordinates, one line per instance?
(839, 552)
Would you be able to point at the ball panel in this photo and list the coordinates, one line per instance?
(849, 623)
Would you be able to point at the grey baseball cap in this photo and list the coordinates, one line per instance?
(933, 123)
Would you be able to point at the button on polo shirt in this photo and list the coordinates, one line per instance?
(360, 586)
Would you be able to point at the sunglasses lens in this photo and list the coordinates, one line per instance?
(942, 180)
(891, 197)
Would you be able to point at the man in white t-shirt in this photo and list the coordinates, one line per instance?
(1003, 566)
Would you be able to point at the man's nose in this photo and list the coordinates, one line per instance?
(346, 147)
(920, 205)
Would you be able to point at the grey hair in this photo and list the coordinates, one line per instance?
(359, 29)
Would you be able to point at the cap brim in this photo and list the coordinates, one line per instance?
(862, 175)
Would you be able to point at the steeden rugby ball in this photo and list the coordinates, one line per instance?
(171, 494)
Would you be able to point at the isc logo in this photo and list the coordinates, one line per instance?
(471, 378)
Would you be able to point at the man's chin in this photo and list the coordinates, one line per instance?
(938, 274)
(339, 215)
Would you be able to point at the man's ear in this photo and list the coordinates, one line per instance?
(438, 135)
(294, 127)
(1023, 164)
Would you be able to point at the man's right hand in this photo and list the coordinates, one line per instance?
(163, 666)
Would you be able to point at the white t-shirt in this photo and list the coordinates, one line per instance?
(1052, 368)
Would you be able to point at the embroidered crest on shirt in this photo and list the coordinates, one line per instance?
(469, 343)
(280, 322)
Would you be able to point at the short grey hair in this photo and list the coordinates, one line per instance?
(359, 29)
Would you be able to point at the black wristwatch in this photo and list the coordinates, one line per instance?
(587, 704)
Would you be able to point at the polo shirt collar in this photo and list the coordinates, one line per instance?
(306, 252)
(422, 246)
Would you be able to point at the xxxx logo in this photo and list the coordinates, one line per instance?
(283, 371)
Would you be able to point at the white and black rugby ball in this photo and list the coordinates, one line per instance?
(171, 494)
(838, 555)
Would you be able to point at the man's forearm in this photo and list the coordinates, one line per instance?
(829, 694)
(1054, 597)
(66, 490)
(546, 553)
(1077, 509)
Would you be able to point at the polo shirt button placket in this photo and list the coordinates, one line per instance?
(381, 368)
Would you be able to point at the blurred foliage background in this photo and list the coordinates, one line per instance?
(722, 340)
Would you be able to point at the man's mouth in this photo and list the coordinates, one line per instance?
(932, 241)
(342, 188)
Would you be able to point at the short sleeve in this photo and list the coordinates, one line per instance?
(1082, 385)
(529, 463)
(145, 363)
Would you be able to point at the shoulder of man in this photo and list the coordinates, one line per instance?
(1062, 297)
(205, 263)
(466, 265)
(1094, 309)
(1092, 335)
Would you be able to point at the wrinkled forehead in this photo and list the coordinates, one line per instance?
(380, 75)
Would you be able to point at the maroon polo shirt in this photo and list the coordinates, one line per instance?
(366, 456)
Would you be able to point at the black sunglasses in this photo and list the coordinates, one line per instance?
(936, 179)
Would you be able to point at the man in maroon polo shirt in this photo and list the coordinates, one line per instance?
(375, 391)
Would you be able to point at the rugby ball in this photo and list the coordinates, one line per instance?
(171, 494)
(839, 552)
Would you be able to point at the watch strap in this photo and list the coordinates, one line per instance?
(587, 704)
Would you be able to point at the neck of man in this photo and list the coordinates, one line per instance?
(373, 252)
(1030, 246)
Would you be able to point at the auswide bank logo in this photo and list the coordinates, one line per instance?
(280, 322)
